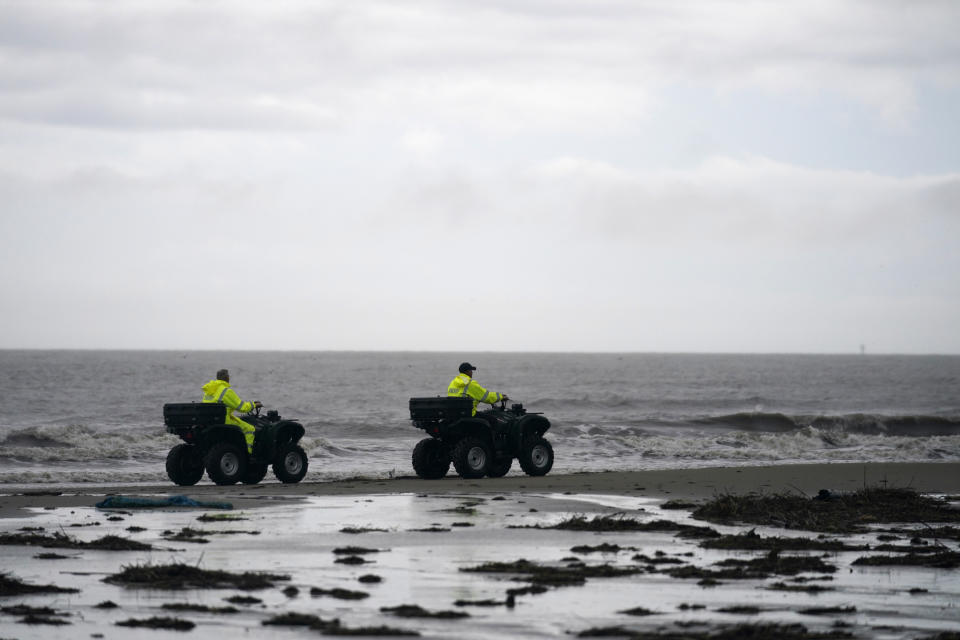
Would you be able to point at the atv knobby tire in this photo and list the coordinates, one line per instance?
(536, 457)
(255, 473)
(290, 465)
(184, 465)
(430, 459)
(499, 467)
(226, 463)
(471, 457)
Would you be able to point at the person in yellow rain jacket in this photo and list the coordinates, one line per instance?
(219, 391)
(464, 385)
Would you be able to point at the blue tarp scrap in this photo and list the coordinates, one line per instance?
(130, 502)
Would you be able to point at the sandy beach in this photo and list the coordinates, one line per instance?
(942, 478)
(403, 556)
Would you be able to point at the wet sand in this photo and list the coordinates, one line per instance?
(937, 478)
(361, 551)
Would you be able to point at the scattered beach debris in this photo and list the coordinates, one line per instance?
(639, 611)
(738, 632)
(354, 551)
(350, 560)
(462, 524)
(183, 576)
(35, 619)
(50, 556)
(248, 600)
(333, 627)
(605, 547)
(340, 594)
(679, 504)
(743, 609)
(186, 535)
(27, 610)
(480, 603)
(135, 529)
(106, 604)
(200, 608)
(11, 586)
(291, 592)
(827, 611)
(757, 568)
(357, 530)
(810, 588)
(751, 540)
(173, 624)
(416, 611)
(58, 540)
(940, 560)
(544, 575)
(434, 529)
(220, 517)
(139, 502)
(369, 578)
(842, 513)
(620, 522)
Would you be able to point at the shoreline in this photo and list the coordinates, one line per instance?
(687, 484)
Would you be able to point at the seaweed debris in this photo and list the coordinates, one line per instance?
(619, 522)
(10, 586)
(812, 589)
(243, 600)
(416, 611)
(605, 547)
(480, 603)
(827, 611)
(771, 564)
(738, 632)
(754, 541)
(200, 608)
(174, 624)
(183, 576)
(638, 611)
(340, 594)
(59, 540)
(358, 530)
(543, 575)
(333, 627)
(369, 578)
(354, 551)
(940, 560)
(842, 513)
(350, 560)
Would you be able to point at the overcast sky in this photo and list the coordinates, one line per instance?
(523, 175)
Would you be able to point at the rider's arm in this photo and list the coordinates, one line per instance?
(232, 400)
(480, 394)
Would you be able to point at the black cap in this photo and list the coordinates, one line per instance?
(467, 367)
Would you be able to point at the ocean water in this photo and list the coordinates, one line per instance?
(73, 417)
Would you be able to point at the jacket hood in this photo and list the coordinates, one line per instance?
(214, 387)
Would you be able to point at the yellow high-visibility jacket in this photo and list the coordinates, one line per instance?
(220, 391)
(464, 385)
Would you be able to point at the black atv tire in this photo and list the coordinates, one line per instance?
(255, 473)
(226, 463)
(471, 457)
(536, 457)
(499, 467)
(430, 459)
(184, 465)
(290, 464)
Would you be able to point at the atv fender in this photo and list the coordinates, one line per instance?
(273, 436)
(223, 433)
(472, 427)
(532, 426)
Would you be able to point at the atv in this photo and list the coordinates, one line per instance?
(221, 449)
(479, 445)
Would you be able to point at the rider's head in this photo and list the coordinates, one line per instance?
(224, 375)
(467, 368)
